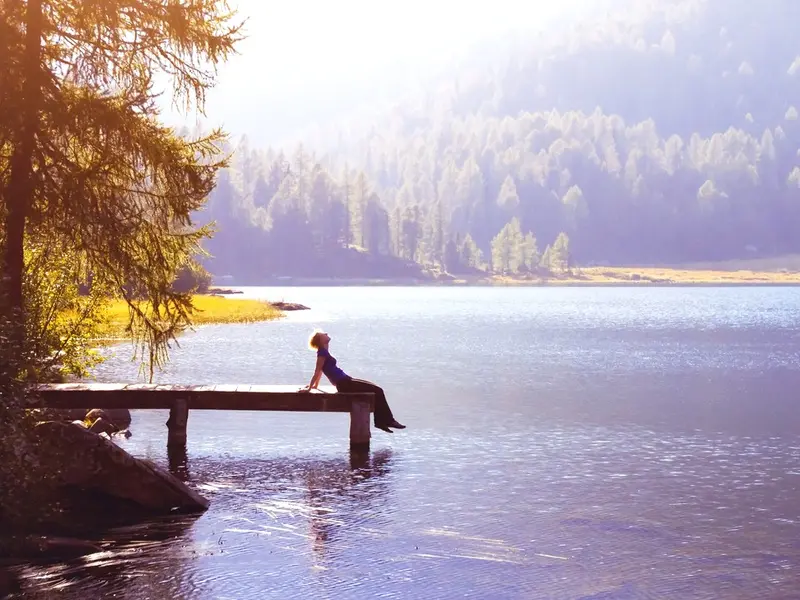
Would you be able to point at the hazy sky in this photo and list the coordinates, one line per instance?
(309, 59)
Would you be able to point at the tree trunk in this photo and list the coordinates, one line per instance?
(19, 192)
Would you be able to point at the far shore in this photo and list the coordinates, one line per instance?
(577, 277)
(656, 276)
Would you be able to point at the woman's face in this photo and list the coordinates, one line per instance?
(325, 338)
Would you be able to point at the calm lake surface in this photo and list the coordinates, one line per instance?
(561, 443)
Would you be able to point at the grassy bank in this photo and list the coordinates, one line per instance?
(208, 310)
(728, 273)
(652, 276)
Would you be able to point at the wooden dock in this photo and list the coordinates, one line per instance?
(180, 399)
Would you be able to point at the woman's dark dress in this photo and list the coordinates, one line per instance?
(345, 383)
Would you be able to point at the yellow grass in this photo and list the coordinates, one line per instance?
(658, 276)
(785, 262)
(208, 310)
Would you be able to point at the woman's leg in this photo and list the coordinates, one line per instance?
(383, 414)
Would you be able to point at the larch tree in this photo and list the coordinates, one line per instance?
(530, 253)
(84, 162)
(560, 253)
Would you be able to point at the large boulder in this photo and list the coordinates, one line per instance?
(100, 421)
(91, 470)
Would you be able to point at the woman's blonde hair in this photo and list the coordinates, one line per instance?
(313, 341)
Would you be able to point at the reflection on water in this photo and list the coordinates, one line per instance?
(178, 461)
(552, 512)
(132, 553)
(299, 506)
(593, 444)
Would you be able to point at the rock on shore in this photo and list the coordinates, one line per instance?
(87, 470)
(289, 306)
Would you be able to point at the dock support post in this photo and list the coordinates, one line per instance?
(359, 424)
(178, 417)
(178, 461)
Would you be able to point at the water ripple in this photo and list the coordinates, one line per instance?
(562, 444)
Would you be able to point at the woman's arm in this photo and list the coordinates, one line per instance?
(317, 374)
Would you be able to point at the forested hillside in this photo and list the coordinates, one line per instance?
(667, 134)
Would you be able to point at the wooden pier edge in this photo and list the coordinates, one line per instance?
(180, 399)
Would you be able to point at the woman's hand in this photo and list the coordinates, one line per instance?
(312, 385)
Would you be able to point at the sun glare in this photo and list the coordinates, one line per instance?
(309, 51)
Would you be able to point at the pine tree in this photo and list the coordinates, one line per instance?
(530, 253)
(546, 262)
(397, 233)
(452, 258)
(377, 236)
(90, 167)
(508, 248)
(560, 257)
(438, 236)
(516, 246)
(508, 199)
(575, 206)
(470, 254)
(411, 230)
(361, 194)
(347, 201)
(501, 251)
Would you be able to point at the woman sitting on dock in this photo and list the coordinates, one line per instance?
(344, 383)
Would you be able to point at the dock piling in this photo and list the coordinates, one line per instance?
(179, 399)
(176, 424)
(359, 424)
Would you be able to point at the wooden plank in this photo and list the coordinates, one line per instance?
(176, 389)
(275, 401)
(192, 389)
(264, 388)
(106, 387)
(105, 399)
(290, 389)
(220, 397)
(62, 386)
(139, 386)
(225, 388)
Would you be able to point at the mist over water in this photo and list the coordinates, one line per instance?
(561, 443)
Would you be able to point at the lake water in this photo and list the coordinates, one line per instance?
(561, 443)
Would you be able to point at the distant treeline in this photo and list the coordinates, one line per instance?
(694, 156)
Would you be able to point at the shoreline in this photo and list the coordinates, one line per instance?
(587, 277)
(536, 284)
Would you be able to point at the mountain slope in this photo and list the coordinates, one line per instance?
(667, 134)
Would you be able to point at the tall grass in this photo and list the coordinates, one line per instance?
(656, 275)
(208, 310)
